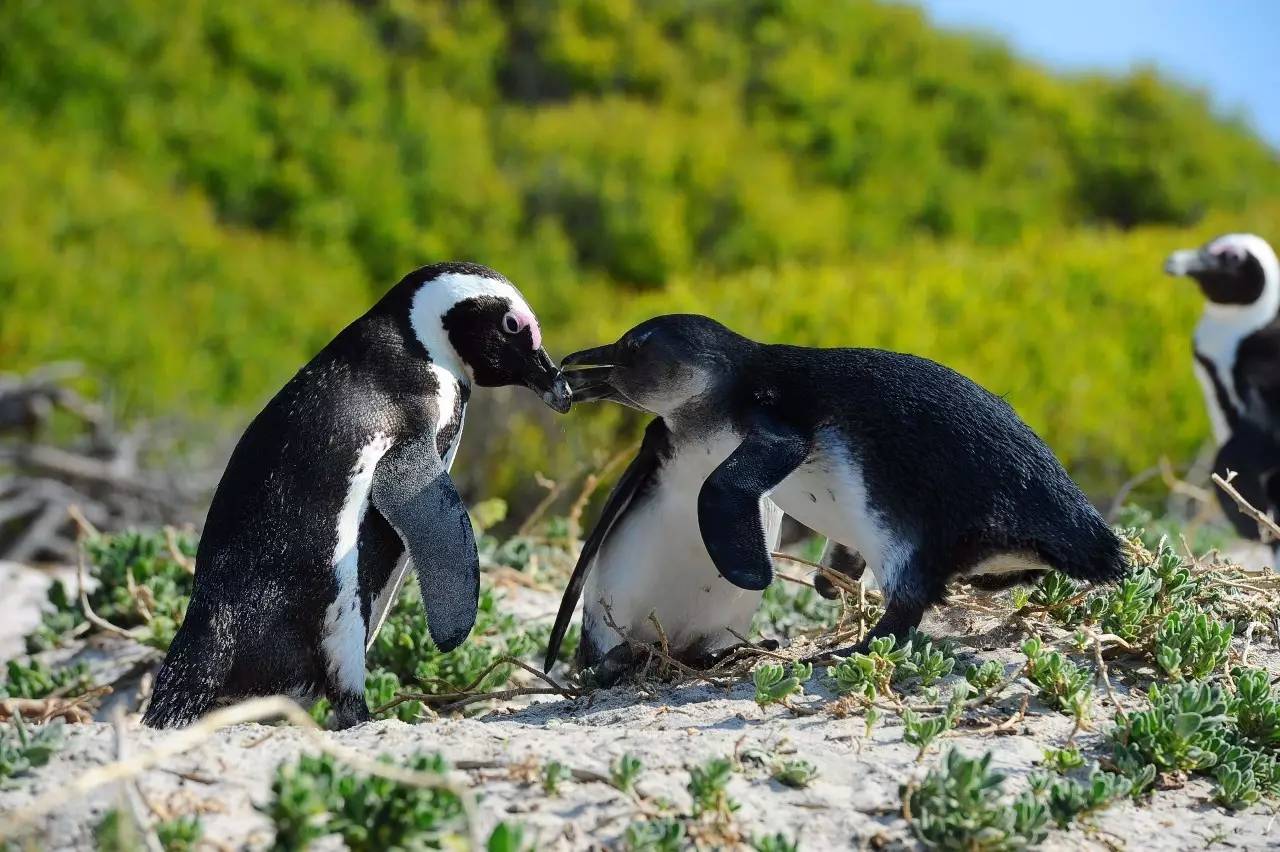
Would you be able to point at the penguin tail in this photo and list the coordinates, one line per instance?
(194, 672)
(1095, 554)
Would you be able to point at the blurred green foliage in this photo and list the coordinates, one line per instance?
(198, 195)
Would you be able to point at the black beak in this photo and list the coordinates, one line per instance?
(549, 383)
(1189, 262)
(601, 356)
(588, 372)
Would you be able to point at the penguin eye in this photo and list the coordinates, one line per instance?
(511, 323)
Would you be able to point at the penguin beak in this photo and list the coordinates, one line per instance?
(600, 356)
(1188, 262)
(548, 382)
(589, 372)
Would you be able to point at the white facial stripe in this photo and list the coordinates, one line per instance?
(435, 298)
(344, 627)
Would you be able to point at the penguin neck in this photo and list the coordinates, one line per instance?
(428, 328)
(1239, 321)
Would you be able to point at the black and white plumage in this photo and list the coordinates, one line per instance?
(1237, 361)
(645, 560)
(342, 475)
(900, 459)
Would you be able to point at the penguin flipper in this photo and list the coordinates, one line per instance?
(1255, 362)
(413, 491)
(1254, 457)
(657, 441)
(729, 515)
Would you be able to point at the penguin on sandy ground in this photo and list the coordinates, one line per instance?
(906, 462)
(1237, 360)
(345, 470)
(645, 557)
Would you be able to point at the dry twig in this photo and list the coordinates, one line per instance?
(255, 710)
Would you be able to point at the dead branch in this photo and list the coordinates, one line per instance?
(100, 469)
(1264, 521)
(45, 709)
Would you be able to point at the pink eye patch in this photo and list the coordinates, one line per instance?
(1227, 248)
(517, 320)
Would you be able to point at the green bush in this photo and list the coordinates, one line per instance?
(318, 797)
(24, 747)
(961, 806)
(194, 212)
(139, 583)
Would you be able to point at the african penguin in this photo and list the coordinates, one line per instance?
(343, 473)
(1237, 361)
(906, 462)
(645, 556)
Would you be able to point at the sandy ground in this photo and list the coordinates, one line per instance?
(853, 802)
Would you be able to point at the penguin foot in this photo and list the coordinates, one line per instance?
(901, 616)
(841, 559)
(349, 710)
(620, 661)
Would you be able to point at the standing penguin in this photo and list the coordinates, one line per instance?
(908, 463)
(1237, 360)
(645, 556)
(345, 470)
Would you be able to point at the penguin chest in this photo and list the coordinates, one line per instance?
(654, 561)
(451, 409)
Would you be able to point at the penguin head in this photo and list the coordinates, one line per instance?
(1234, 271)
(659, 366)
(475, 324)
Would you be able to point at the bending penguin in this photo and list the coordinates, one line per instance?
(1237, 360)
(342, 473)
(906, 462)
(645, 557)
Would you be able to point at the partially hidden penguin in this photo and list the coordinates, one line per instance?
(1237, 361)
(338, 485)
(644, 567)
(916, 469)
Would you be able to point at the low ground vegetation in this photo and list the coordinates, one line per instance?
(1153, 673)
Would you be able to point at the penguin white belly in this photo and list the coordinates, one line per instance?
(829, 495)
(654, 561)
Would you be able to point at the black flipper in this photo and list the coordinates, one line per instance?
(1255, 372)
(656, 444)
(413, 491)
(1253, 455)
(729, 502)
